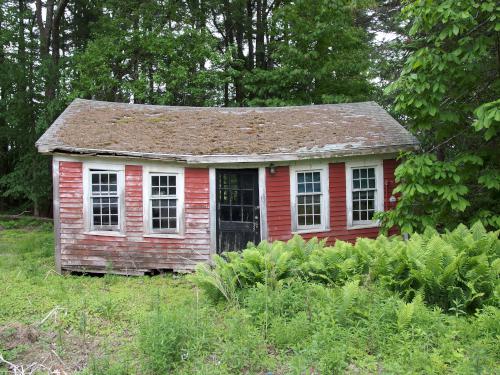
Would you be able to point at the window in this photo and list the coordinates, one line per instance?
(365, 193)
(104, 200)
(308, 198)
(163, 197)
(163, 202)
(309, 189)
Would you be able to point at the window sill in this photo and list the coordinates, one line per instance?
(312, 230)
(163, 235)
(363, 226)
(105, 233)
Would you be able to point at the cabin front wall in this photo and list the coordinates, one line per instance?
(134, 251)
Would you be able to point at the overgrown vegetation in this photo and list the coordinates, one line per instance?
(287, 308)
(456, 271)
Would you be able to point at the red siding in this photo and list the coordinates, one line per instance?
(279, 211)
(133, 252)
(279, 216)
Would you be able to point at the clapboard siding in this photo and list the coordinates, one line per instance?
(279, 217)
(134, 252)
(279, 210)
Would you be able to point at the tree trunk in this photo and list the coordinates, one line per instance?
(249, 34)
(260, 49)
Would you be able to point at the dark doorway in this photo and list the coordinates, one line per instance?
(238, 218)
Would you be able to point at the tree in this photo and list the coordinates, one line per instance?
(448, 91)
(318, 54)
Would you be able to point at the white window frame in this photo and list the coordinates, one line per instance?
(325, 198)
(379, 192)
(148, 172)
(119, 169)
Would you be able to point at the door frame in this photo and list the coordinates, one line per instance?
(213, 202)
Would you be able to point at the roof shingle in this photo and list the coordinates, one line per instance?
(193, 133)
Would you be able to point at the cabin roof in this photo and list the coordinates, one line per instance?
(212, 134)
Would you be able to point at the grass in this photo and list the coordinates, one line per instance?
(165, 324)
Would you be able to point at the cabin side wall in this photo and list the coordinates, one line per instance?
(133, 252)
(279, 210)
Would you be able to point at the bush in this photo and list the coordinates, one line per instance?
(457, 271)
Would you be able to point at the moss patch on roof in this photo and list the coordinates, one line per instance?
(223, 131)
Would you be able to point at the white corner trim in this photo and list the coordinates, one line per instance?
(87, 210)
(325, 197)
(212, 210)
(262, 203)
(57, 214)
(379, 186)
(147, 170)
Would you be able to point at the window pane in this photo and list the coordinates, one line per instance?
(156, 224)
(236, 213)
(300, 177)
(302, 220)
(247, 197)
(355, 184)
(308, 177)
(316, 177)
(301, 188)
(371, 172)
(172, 190)
(155, 180)
(235, 196)
(225, 213)
(317, 219)
(163, 180)
(316, 209)
(164, 223)
(309, 220)
(355, 173)
(317, 187)
(371, 183)
(248, 214)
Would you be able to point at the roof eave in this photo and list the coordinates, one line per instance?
(223, 159)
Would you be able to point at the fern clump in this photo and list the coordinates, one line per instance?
(457, 271)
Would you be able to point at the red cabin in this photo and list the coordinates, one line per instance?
(140, 188)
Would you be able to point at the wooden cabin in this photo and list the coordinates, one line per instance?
(145, 188)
